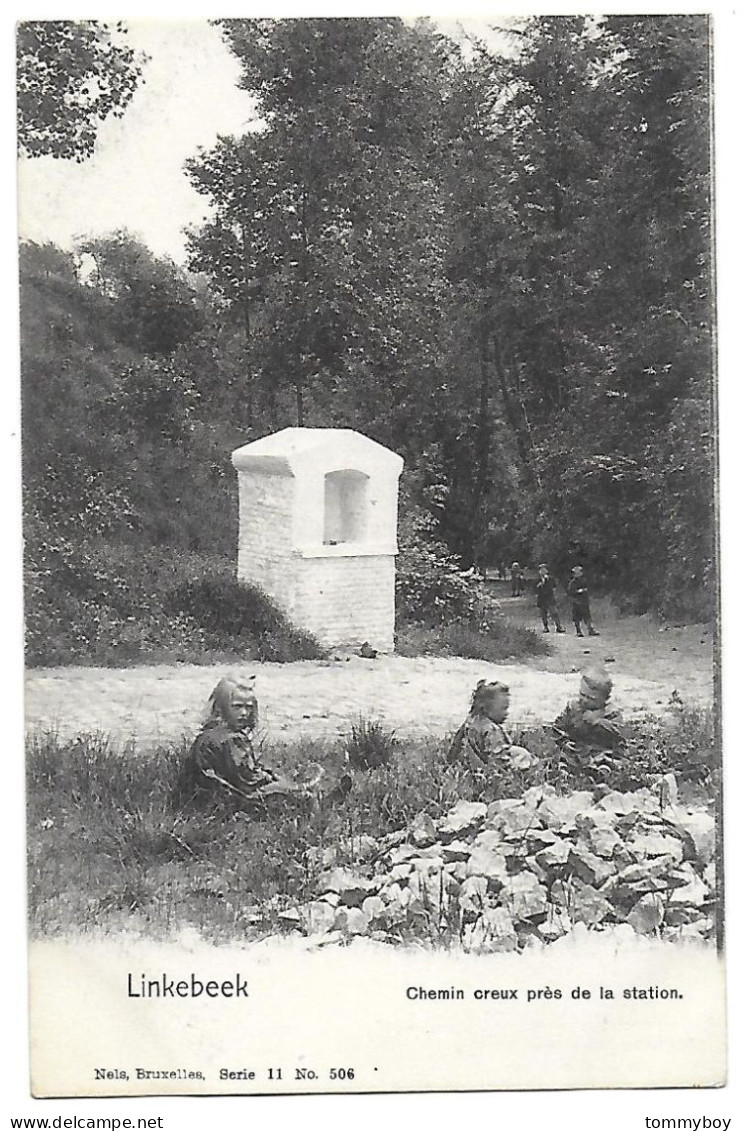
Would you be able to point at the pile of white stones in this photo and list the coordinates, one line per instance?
(521, 872)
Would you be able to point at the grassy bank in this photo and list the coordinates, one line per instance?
(112, 844)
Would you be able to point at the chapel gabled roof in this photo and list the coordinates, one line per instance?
(293, 451)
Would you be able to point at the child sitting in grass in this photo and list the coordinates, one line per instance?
(481, 742)
(588, 720)
(222, 759)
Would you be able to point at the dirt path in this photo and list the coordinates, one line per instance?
(424, 695)
(680, 655)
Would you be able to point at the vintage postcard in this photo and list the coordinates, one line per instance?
(372, 669)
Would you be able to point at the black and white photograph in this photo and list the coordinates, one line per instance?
(371, 580)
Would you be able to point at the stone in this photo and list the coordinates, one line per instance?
(373, 907)
(541, 838)
(651, 845)
(603, 841)
(541, 874)
(433, 852)
(396, 895)
(556, 812)
(636, 873)
(556, 925)
(351, 921)
(317, 917)
(351, 887)
(516, 822)
(403, 853)
(393, 840)
(522, 759)
(473, 894)
(693, 891)
(451, 884)
(536, 794)
(501, 805)
(488, 863)
(590, 868)
(595, 818)
(701, 828)
(493, 931)
(457, 870)
(427, 865)
(524, 896)
(488, 838)
(554, 855)
(422, 831)
(647, 914)
(456, 850)
(677, 916)
(587, 905)
(561, 892)
(625, 804)
(466, 816)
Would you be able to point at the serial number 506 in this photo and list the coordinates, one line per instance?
(342, 1074)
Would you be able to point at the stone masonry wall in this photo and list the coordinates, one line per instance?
(345, 600)
(265, 555)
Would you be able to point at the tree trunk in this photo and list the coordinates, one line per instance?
(517, 416)
(484, 436)
(249, 380)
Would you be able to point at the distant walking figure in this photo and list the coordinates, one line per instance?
(577, 591)
(546, 599)
(516, 580)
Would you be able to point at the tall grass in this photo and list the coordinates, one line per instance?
(500, 639)
(112, 841)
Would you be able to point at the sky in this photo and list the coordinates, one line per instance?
(135, 180)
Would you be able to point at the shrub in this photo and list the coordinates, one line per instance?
(370, 744)
(432, 588)
(229, 611)
(115, 604)
(493, 641)
(444, 610)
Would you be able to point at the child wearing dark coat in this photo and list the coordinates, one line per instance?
(578, 593)
(222, 759)
(546, 598)
(588, 721)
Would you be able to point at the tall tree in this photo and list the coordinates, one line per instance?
(153, 306)
(344, 219)
(71, 76)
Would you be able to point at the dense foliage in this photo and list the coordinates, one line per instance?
(494, 257)
(496, 261)
(71, 76)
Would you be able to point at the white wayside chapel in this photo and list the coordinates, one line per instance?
(318, 530)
